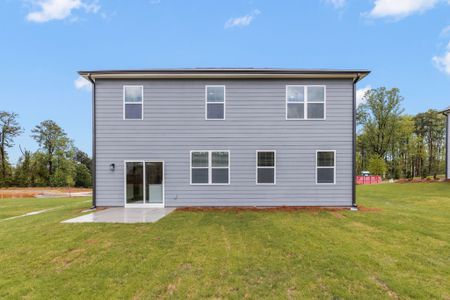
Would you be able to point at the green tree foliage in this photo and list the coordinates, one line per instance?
(25, 172)
(377, 166)
(56, 163)
(410, 146)
(380, 116)
(57, 149)
(9, 129)
(430, 128)
(83, 176)
(82, 158)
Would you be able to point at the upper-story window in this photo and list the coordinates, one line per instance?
(133, 102)
(305, 102)
(215, 102)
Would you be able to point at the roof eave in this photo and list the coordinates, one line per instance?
(217, 74)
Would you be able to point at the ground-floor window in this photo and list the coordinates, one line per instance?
(210, 167)
(144, 182)
(265, 167)
(326, 167)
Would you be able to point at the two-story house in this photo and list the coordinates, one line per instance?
(224, 137)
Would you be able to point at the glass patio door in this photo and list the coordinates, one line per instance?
(144, 183)
(154, 182)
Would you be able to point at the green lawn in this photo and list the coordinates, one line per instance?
(15, 207)
(402, 250)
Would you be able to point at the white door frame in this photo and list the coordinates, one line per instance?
(143, 205)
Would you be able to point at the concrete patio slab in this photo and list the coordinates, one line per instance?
(123, 215)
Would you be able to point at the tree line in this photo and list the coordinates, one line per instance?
(56, 163)
(397, 145)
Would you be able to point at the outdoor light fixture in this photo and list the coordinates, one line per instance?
(112, 167)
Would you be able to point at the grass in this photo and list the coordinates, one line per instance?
(399, 251)
(10, 207)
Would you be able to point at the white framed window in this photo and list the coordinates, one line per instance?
(210, 167)
(133, 102)
(266, 163)
(215, 102)
(305, 102)
(325, 166)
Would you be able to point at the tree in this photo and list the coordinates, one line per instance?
(379, 116)
(24, 173)
(82, 158)
(9, 129)
(55, 144)
(377, 166)
(430, 127)
(83, 176)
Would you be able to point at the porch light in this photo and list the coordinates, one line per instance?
(112, 167)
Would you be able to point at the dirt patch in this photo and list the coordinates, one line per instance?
(335, 211)
(36, 191)
(385, 287)
(91, 241)
(337, 214)
(65, 261)
(419, 180)
(368, 209)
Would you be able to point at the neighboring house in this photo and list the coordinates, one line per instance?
(446, 112)
(224, 137)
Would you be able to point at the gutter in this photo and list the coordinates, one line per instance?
(93, 167)
(355, 80)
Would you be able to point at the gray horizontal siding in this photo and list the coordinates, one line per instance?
(174, 124)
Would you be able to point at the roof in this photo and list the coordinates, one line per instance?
(356, 75)
(446, 111)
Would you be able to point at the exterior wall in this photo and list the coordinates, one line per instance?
(174, 124)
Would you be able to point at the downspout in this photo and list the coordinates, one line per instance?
(354, 143)
(93, 167)
(447, 150)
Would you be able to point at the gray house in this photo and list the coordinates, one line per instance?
(446, 112)
(224, 137)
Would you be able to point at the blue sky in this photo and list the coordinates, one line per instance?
(44, 42)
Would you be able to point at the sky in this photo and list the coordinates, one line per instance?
(405, 43)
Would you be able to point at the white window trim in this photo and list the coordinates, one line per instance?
(306, 102)
(334, 167)
(210, 167)
(224, 102)
(124, 102)
(265, 167)
(143, 205)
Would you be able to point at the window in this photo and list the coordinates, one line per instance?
(133, 98)
(326, 167)
(215, 102)
(210, 167)
(265, 167)
(305, 102)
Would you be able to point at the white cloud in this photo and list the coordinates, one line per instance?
(360, 93)
(400, 8)
(446, 30)
(47, 10)
(242, 21)
(336, 3)
(82, 84)
(442, 63)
